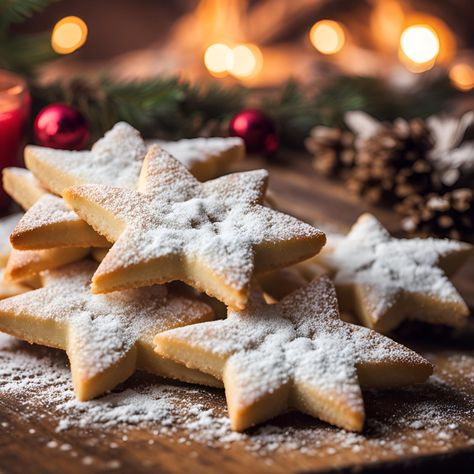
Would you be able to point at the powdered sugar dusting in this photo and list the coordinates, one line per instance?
(417, 420)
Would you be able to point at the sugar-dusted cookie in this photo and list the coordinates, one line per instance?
(386, 280)
(106, 337)
(21, 265)
(206, 158)
(49, 223)
(24, 264)
(116, 159)
(294, 354)
(213, 235)
(22, 186)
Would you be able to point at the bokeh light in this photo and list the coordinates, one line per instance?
(462, 76)
(218, 58)
(327, 36)
(419, 46)
(69, 34)
(242, 61)
(246, 61)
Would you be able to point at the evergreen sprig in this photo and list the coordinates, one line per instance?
(163, 107)
(297, 110)
(168, 107)
(22, 53)
(17, 11)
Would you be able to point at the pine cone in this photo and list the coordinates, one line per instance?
(448, 215)
(333, 149)
(393, 163)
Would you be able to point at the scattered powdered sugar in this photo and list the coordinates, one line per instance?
(300, 340)
(391, 268)
(426, 418)
(220, 223)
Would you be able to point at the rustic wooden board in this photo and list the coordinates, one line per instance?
(430, 426)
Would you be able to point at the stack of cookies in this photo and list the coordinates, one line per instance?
(127, 253)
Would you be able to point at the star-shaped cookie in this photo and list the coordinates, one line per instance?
(23, 187)
(211, 235)
(294, 354)
(115, 159)
(106, 337)
(49, 224)
(386, 280)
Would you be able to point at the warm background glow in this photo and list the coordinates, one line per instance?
(419, 44)
(462, 76)
(69, 34)
(327, 36)
(218, 59)
(247, 61)
(243, 61)
(302, 39)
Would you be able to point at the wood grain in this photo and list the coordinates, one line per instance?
(30, 443)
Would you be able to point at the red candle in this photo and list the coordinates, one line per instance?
(14, 109)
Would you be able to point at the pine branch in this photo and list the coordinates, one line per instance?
(168, 107)
(17, 11)
(294, 111)
(162, 107)
(23, 54)
(297, 110)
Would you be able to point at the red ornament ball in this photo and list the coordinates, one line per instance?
(257, 130)
(61, 126)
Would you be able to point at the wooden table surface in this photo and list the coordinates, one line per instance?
(429, 427)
